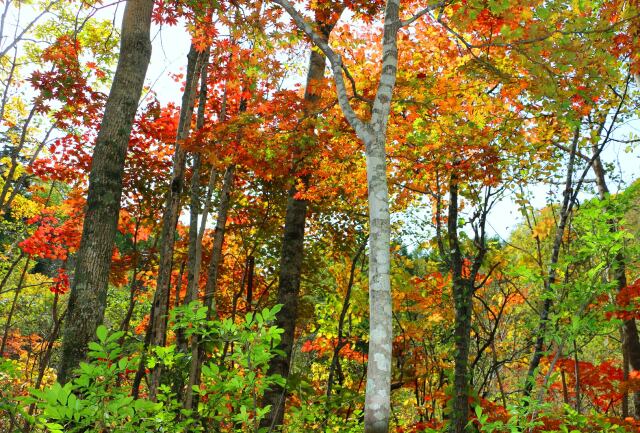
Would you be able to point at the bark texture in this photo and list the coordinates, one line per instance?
(464, 279)
(291, 256)
(288, 294)
(462, 297)
(171, 214)
(195, 240)
(373, 134)
(87, 300)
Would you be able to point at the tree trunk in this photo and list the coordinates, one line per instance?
(462, 297)
(193, 268)
(88, 297)
(197, 356)
(377, 409)
(288, 294)
(630, 338)
(194, 255)
(335, 359)
(291, 255)
(567, 204)
(378, 391)
(133, 285)
(373, 134)
(195, 241)
(218, 240)
(15, 153)
(171, 214)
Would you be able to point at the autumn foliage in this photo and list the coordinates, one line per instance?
(503, 113)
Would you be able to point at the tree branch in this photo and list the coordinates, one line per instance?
(336, 64)
(420, 14)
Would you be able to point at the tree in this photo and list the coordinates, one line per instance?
(373, 134)
(292, 250)
(87, 301)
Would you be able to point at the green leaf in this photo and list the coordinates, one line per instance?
(102, 332)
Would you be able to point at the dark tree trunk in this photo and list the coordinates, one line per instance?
(197, 355)
(134, 285)
(630, 338)
(288, 291)
(195, 240)
(291, 260)
(462, 298)
(194, 256)
(88, 297)
(218, 240)
(171, 214)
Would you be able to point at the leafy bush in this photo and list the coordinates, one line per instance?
(233, 381)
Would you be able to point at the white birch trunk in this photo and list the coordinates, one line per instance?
(373, 134)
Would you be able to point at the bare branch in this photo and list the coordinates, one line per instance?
(354, 90)
(420, 14)
(18, 38)
(336, 64)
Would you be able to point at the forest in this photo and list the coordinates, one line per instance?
(326, 216)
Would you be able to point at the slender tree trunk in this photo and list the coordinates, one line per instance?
(373, 134)
(251, 266)
(462, 296)
(197, 355)
(538, 350)
(625, 375)
(630, 337)
(194, 255)
(17, 186)
(576, 373)
(218, 240)
(133, 285)
(194, 212)
(88, 297)
(14, 63)
(14, 303)
(343, 314)
(171, 214)
(195, 241)
(378, 392)
(15, 153)
(494, 355)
